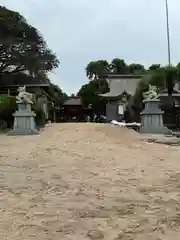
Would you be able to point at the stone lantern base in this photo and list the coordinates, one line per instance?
(24, 120)
(152, 118)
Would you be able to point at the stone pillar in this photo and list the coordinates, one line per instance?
(24, 120)
(152, 118)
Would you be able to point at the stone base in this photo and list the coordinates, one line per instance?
(160, 138)
(20, 132)
(24, 121)
(152, 118)
(158, 130)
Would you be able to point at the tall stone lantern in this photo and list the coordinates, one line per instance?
(24, 117)
(152, 115)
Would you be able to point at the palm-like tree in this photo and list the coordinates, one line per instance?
(96, 69)
(91, 70)
(118, 66)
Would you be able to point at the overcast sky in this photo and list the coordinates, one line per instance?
(79, 31)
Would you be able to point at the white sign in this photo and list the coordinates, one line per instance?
(120, 109)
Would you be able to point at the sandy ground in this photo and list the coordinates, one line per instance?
(88, 181)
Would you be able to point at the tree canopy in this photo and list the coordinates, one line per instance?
(22, 47)
(95, 69)
(24, 55)
(90, 95)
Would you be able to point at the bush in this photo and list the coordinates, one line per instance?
(7, 108)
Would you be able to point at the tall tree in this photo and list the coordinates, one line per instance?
(90, 95)
(136, 68)
(97, 68)
(22, 48)
(118, 66)
(154, 67)
(171, 74)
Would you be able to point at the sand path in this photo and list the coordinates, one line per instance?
(88, 181)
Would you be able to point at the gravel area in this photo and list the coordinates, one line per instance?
(88, 181)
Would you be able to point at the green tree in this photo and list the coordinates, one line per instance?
(154, 67)
(178, 71)
(136, 68)
(90, 95)
(22, 48)
(119, 66)
(58, 95)
(171, 75)
(7, 108)
(158, 77)
(135, 104)
(95, 69)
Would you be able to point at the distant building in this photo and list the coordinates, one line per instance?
(73, 101)
(121, 88)
(73, 110)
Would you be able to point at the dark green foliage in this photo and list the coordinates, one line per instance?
(118, 66)
(58, 94)
(154, 67)
(171, 76)
(22, 47)
(95, 69)
(24, 59)
(7, 108)
(135, 104)
(89, 93)
(135, 68)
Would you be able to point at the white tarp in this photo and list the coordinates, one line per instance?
(123, 124)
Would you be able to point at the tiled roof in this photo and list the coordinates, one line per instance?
(19, 79)
(119, 76)
(121, 84)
